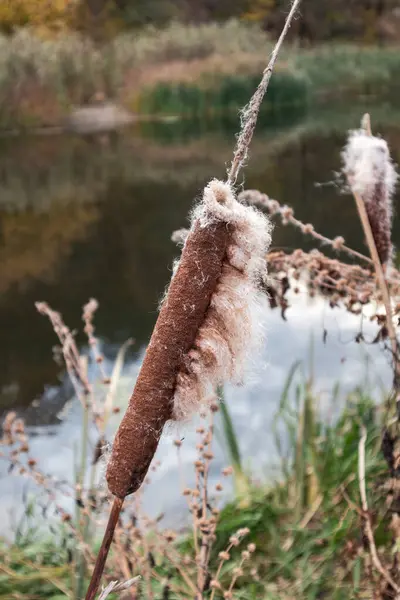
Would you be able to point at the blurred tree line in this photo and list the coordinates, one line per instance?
(321, 20)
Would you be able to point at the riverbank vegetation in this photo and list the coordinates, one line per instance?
(185, 70)
(303, 529)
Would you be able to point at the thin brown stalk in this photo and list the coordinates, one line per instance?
(217, 574)
(362, 212)
(250, 113)
(287, 215)
(195, 532)
(367, 518)
(236, 575)
(104, 549)
(205, 538)
(381, 281)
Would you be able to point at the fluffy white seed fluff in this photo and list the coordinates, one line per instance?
(367, 164)
(232, 330)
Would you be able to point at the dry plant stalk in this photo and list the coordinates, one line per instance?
(250, 112)
(367, 517)
(371, 176)
(196, 342)
(114, 587)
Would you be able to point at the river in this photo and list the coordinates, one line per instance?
(91, 216)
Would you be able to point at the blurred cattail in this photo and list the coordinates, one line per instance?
(209, 322)
(371, 174)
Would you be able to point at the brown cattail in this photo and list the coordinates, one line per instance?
(207, 323)
(370, 173)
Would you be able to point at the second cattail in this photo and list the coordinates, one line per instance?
(371, 174)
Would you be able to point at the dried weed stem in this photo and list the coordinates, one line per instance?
(366, 515)
(250, 112)
(381, 281)
(114, 587)
(361, 204)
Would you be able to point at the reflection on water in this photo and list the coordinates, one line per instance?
(83, 217)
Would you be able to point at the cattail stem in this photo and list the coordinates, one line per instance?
(250, 113)
(362, 212)
(379, 270)
(104, 549)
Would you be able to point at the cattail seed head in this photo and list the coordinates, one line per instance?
(371, 174)
(208, 326)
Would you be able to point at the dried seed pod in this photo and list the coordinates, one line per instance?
(370, 173)
(168, 376)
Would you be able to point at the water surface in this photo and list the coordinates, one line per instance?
(92, 216)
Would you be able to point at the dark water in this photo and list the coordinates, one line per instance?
(83, 217)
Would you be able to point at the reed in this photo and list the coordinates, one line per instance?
(319, 552)
(205, 324)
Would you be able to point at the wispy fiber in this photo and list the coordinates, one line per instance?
(250, 112)
(232, 328)
(371, 174)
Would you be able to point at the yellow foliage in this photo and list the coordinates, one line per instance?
(259, 10)
(40, 14)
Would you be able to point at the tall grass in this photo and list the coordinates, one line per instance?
(71, 69)
(189, 42)
(308, 546)
(180, 69)
(226, 93)
(335, 68)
